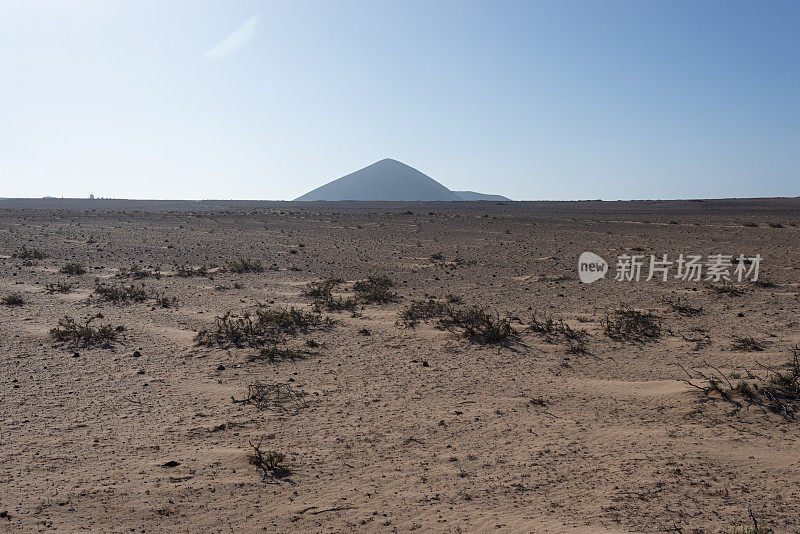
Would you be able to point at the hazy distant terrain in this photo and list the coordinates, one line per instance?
(389, 417)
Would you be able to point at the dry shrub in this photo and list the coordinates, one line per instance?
(245, 265)
(138, 273)
(73, 269)
(627, 324)
(14, 299)
(475, 323)
(276, 396)
(25, 253)
(747, 344)
(266, 326)
(68, 330)
(185, 271)
(375, 289)
(478, 324)
(271, 463)
(121, 294)
(322, 293)
(58, 287)
(423, 310)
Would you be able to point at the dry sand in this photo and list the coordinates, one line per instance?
(406, 428)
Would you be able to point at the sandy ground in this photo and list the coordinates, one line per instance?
(405, 428)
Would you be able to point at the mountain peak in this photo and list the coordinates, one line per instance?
(384, 180)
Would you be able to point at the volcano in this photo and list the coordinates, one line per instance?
(388, 179)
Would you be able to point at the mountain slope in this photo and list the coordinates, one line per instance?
(387, 179)
(472, 195)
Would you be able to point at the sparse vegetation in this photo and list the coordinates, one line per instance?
(747, 344)
(277, 396)
(321, 290)
(165, 301)
(322, 293)
(25, 253)
(478, 324)
(543, 326)
(725, 288)
(58, 287)
(73, 269)
(14, 299)
(271, 463)
(238, 331)
(779, 392)
(423, 310)
(627, 324)
(138, 273)
(552, 329)
(186, 271)
(475, 323)
(245, 265)
(265, 327)
(121, 294)
(68, 330)
(275, 353)
(577, 348)
(375, 289)
(682, 308)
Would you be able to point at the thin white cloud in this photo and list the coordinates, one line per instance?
(240, 36)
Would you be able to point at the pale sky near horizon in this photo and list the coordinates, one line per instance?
(528, 99)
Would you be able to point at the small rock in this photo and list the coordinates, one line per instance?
(137, 354)
(171, 463)
(76, 355)
(425, 364)
(220, 367)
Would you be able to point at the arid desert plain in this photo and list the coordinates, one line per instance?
(395, 367)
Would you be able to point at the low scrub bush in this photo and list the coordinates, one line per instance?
(271, 463)
(264, 327)
(139, 273)
(276, 396)
(322, 293)
(478, 324)
(245, 265)
(25, 253)
(375, 289)
(747, 344)
(58, 287)
(777, 392)
(423, 310)
(627, 324)
(73, 269)
(14, 299)
(682, 308)
(185, 271)
(120, 294)
(68, 330)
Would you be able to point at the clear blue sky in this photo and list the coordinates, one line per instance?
(533, 100)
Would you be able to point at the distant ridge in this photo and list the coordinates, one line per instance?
(389, 180)
(472, 195)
